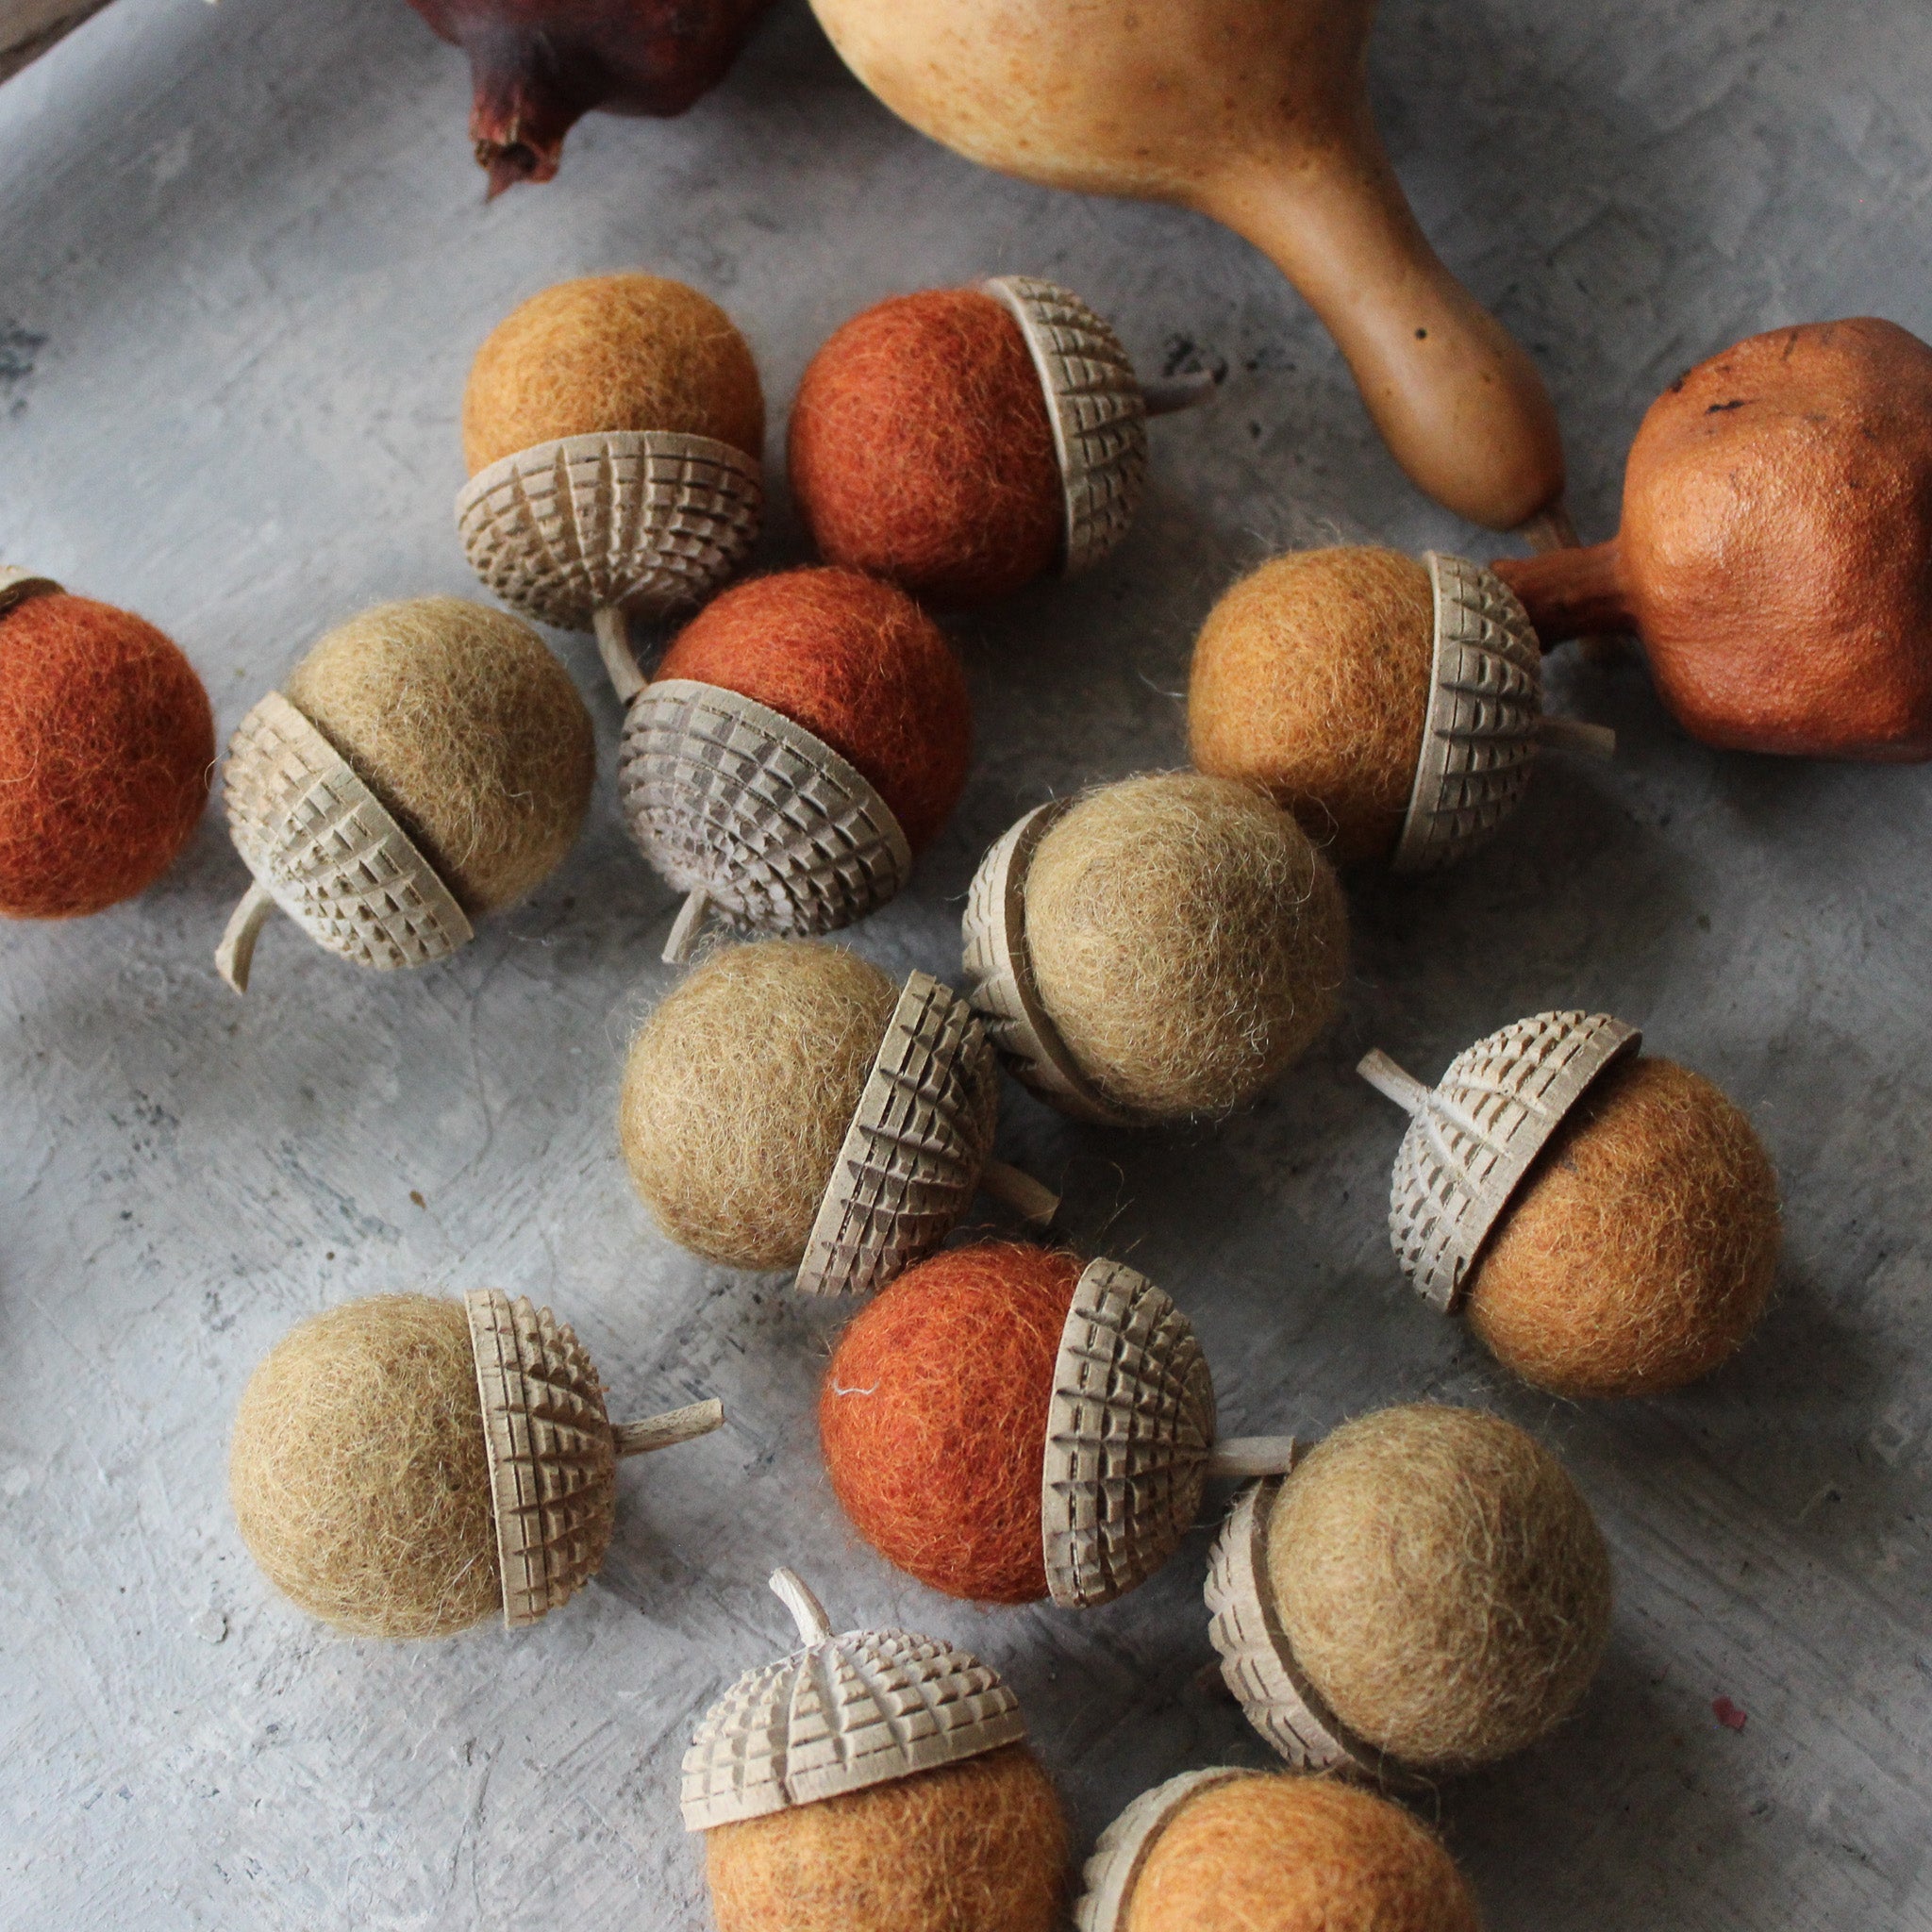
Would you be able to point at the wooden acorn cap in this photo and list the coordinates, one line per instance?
(552, 1451)
(644, 521)
(17, 586)
(840, 1715)
(326, 850)
(1485, 721)
(1255, 1659)
(1121, 1849)
(733, 801)
(1471, 1137)
(1000, 982)
(919, 1142)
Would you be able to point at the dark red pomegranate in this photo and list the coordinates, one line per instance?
(539, 64)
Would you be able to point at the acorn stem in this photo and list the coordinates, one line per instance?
(613, 645)
(806, 1611)
(1573, 734)
(236, 953)
(1385, 1077)
(1244, 1457)
(1166, 395)
(1031, 1200)
(664, 1431)
(685, 928)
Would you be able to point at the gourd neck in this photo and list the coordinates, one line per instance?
(1571, 593)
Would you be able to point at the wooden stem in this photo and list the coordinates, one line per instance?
(234, 955)
(665, 1431)
(1571, 593)
(686, 926)
(1573, 734)
(1247, 1457)
(1031, 1200)
(613, 645)
(1166, 395)
(1387, 1078)
(791, 1590)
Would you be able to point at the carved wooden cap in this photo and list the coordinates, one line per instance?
(840, 1715)
(643, 521)
(1121, 1849)
(1471, 1137)
(17, 586)
(916, 1150)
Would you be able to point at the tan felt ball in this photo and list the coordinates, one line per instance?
(739, 1089)
(611, 352)
(1640, 1252)
(974, 1847)
(1188, 942)
(1286, 1854)
(1442, 1581)
(467, 728)
(358, 1471)
(1311, 680)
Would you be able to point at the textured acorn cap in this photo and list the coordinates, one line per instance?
(1257, 1661)
(1121, 1849)
(735, 802)
(1471, 1137)
(648, 522)
(916, 1150)
(324, 848)
(840, 1714)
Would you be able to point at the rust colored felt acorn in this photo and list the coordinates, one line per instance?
(1609, 1223)
(1426, 1591)
(963, 442)
(426, 763)
(1394, 707)
(408, 1465)
(1006, 1424)
(1230, 1850)
(790, 1107)
(869, 1782)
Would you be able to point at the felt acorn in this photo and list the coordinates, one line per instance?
(803, 741)
(1394, 707)
(106, 745)
(871, 1782)
(1157, 948)
(1232, 1850)
(1006, 1424)
(427, 762)
(789, 1106)
(407, 1465)
(963, 442)
(613, 428)
(1608, 1223)
(1426, 1591)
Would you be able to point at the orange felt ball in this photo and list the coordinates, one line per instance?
(921, 449)
(933, 1418)
(106, 742)
(858, 664)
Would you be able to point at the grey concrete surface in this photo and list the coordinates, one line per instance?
(243, 262)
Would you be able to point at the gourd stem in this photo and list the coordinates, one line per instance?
(1569, 593)
(1168, 394)
(686, 926)
(234, 955)
(1246, 1456)
(806, 1610)
(1573, 734)
(613, 645)
(1031, 1200)
(1385, 1077)
(17, 586)
(664, 1431)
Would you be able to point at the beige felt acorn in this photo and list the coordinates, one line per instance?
(1232, 1850)
(790, 1107)
(1006, 1424)
(1426, 1591)
(613, 428)
(427, 762)
(1394, 707)
(871, 1782)
(1158, 948)
(408, 1465)
(1608, 1221)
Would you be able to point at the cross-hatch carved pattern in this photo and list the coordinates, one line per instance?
(723, 794)
(650, 521)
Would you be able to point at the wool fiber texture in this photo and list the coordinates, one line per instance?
(467, 728)
(738, 1089)
(921, 449)
(611, 352)
(860, 665)
(1297, 1854)
(1310, 680)
(106, 743)
(933, 1417)
(1188, 940)
(1443, 1582)
(1640, 1250)
(358, 1471)
(979, 1846)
